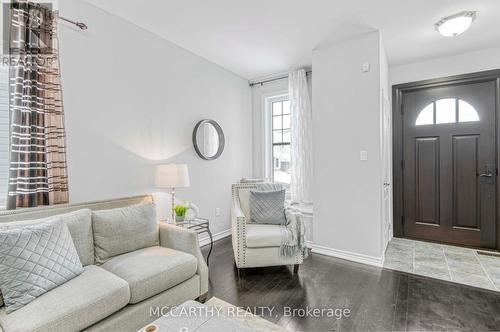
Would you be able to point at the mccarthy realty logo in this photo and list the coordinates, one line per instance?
(244, 312)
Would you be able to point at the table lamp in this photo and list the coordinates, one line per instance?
(172, 176)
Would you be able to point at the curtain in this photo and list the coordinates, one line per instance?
(302, 140)
(37, 174)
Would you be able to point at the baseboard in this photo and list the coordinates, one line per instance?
(351, 256)
(216, 236)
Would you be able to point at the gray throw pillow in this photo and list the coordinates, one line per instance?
(34, 260)
(122, 230)
(267, 207)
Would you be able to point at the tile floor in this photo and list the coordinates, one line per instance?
(444, 262)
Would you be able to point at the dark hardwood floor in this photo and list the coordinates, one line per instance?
(378, 299)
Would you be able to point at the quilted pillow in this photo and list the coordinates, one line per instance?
(268, 207)
(34, 260)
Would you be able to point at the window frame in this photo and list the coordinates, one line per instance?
(268, 148)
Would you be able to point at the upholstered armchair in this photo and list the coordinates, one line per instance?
(255, 245)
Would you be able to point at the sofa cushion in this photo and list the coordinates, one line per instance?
(122, 230)
(79, 303)
(34, 260)
(80, 227)
(259, 236)
(152, 270)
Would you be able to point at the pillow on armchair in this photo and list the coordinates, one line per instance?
(268, 207)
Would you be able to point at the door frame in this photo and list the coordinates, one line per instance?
(397, 138)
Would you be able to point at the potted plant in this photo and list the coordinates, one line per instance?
(180, 212)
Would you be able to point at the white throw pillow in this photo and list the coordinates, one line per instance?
(34, 260)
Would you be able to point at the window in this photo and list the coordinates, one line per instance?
(4, 134)
(447, 110)
(281, 137)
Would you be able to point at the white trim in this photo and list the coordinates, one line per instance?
(267, 141)
(216, 237)
(351, 256)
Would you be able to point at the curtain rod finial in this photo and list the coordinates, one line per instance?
(81, 25)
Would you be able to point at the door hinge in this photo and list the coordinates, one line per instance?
(402, 107)
(402, 165)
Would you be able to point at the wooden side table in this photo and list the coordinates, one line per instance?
(199, 225)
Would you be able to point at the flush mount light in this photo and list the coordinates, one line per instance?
(455, 25)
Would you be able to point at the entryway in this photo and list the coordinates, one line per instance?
(451, 263)
(445, 160)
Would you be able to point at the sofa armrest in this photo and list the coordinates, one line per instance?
(178, 238)
(238, 229)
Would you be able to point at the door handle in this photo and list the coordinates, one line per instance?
(387, 184)
(486, 175)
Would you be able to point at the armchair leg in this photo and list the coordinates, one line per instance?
(296, 268)
(241, 272)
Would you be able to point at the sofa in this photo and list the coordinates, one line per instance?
(255, 245)
(120, 294)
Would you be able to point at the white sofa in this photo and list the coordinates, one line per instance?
(117, 295)
(255, 245)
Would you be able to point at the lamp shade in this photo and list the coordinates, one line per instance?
(172, 176)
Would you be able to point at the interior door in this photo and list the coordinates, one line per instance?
(386, 168)
(449, 165)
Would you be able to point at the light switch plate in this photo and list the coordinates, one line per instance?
(366, 67)
(363, 155)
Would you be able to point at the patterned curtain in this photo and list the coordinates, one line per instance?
(38, 174)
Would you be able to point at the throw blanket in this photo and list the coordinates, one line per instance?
(293, 233)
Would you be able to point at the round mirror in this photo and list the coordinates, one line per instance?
(208, 139)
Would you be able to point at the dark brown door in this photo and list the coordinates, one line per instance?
(450, 164)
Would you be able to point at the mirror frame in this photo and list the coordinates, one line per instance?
(222, 139)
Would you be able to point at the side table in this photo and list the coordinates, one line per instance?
(199, 225)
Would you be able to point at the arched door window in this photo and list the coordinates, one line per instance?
(447, 110)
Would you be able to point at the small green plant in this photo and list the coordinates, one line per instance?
(180, 210)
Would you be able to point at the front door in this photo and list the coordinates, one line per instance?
(449, 164)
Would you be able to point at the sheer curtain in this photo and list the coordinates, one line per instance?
(301, 143)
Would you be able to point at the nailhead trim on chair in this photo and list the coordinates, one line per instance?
(241, 252)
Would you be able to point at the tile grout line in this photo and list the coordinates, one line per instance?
(484, 269)
(447, 265)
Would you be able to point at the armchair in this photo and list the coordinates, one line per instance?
(255, 245)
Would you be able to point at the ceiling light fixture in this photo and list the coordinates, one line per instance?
(455, 25)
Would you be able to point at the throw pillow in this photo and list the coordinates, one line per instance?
(268, 207)
(34, 260)
(79, 225)
(122, 230)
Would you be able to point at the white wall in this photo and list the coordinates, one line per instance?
(480, 60)
(346, 119)
(131, 101)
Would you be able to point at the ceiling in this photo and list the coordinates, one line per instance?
(263, 37)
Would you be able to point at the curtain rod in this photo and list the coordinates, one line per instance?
(81, 25)
(282, 77)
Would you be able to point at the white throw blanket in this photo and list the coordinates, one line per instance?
(293, 233)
